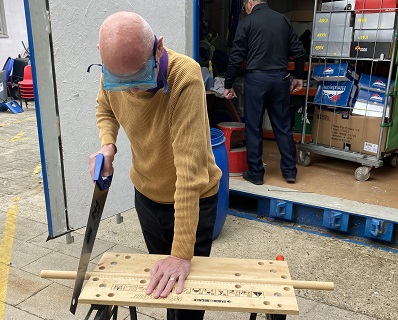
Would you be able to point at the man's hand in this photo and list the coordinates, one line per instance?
(109, 151)
(229, 93)
(165, 273)
(296, 85)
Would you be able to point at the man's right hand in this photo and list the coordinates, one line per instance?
(109, 151)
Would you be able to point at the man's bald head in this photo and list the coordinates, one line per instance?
(125, 42)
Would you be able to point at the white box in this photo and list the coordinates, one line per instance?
(385, 35)
(331, 49)
(337, 34)
(383, 20)
(369, 109)
(338, 5)
(334, 19)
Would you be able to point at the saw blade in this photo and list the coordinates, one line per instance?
(97, 207)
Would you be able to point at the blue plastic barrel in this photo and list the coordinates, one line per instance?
(221, 157)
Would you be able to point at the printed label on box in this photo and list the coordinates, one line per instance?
(370, 147)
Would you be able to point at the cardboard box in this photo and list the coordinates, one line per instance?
(334, 19)
(368, 6)
(372, 50)
(384, 20)
(337, 34)
(334, 72)
(338, 5)
(336, 93)
(369, 109)
(374, 83)
(355, 133)
(331, 49)
(364, 35)
(373, 97)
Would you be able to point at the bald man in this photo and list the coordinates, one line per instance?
(158, 97)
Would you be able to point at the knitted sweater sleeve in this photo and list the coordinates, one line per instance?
(191, 146)
(106, 121)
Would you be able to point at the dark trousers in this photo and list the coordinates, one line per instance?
(271, 91)
(157, 224)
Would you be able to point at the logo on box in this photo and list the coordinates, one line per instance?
(333, 94)
(379, 83)
(376, 98)
(361, 49)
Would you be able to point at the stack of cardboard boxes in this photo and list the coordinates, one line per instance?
(348, 113)
(368, 33)
(335, 123)
(333, 32)
(337, 85)
(373, 28)
(372, 96)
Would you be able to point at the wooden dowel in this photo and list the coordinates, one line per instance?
(296, 284)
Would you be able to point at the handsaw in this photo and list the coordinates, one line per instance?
(97, 206)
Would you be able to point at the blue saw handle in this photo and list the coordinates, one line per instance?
(102, 183)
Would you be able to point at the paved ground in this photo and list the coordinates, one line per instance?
(366, 278)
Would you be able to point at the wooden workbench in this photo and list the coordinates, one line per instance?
(235, 285)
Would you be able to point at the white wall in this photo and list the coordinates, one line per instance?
(75, 26)
(16, 27)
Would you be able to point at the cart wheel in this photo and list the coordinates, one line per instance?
(362, 173)
(304, 159)
(394, 161)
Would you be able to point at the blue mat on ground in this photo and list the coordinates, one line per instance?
(13, 106)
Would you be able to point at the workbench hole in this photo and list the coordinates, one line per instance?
(271, 262)
(102, 285)
(142, 281)
(279, 305)
(95, 279)
(113, 263)
(272, 271)
(98, 295)
(147, 270)
(267, 303)
(117, 255)
(284, 277)
(261, 263)
(286, 288)
(101, 268)
(277, 295)
(111, 295)
(238, 286)
(127, 257)
(237, 274)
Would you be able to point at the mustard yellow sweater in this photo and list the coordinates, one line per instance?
(170, 142)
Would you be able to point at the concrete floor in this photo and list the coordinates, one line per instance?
(366, 278)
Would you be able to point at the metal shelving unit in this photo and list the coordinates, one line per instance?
(339, 141)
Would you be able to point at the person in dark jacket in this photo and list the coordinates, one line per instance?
(265, 39)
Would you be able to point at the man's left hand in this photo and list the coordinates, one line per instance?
(164, 275)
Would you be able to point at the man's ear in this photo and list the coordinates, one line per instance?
(160, 47)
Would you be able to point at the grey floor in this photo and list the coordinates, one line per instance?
(366, 278)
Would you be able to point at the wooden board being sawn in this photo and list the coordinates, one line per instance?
(224, 284)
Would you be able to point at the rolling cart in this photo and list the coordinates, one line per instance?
(355, 107)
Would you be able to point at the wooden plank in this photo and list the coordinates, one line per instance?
(223, 284)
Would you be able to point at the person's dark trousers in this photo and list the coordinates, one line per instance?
(157, 224)
(271, 90)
